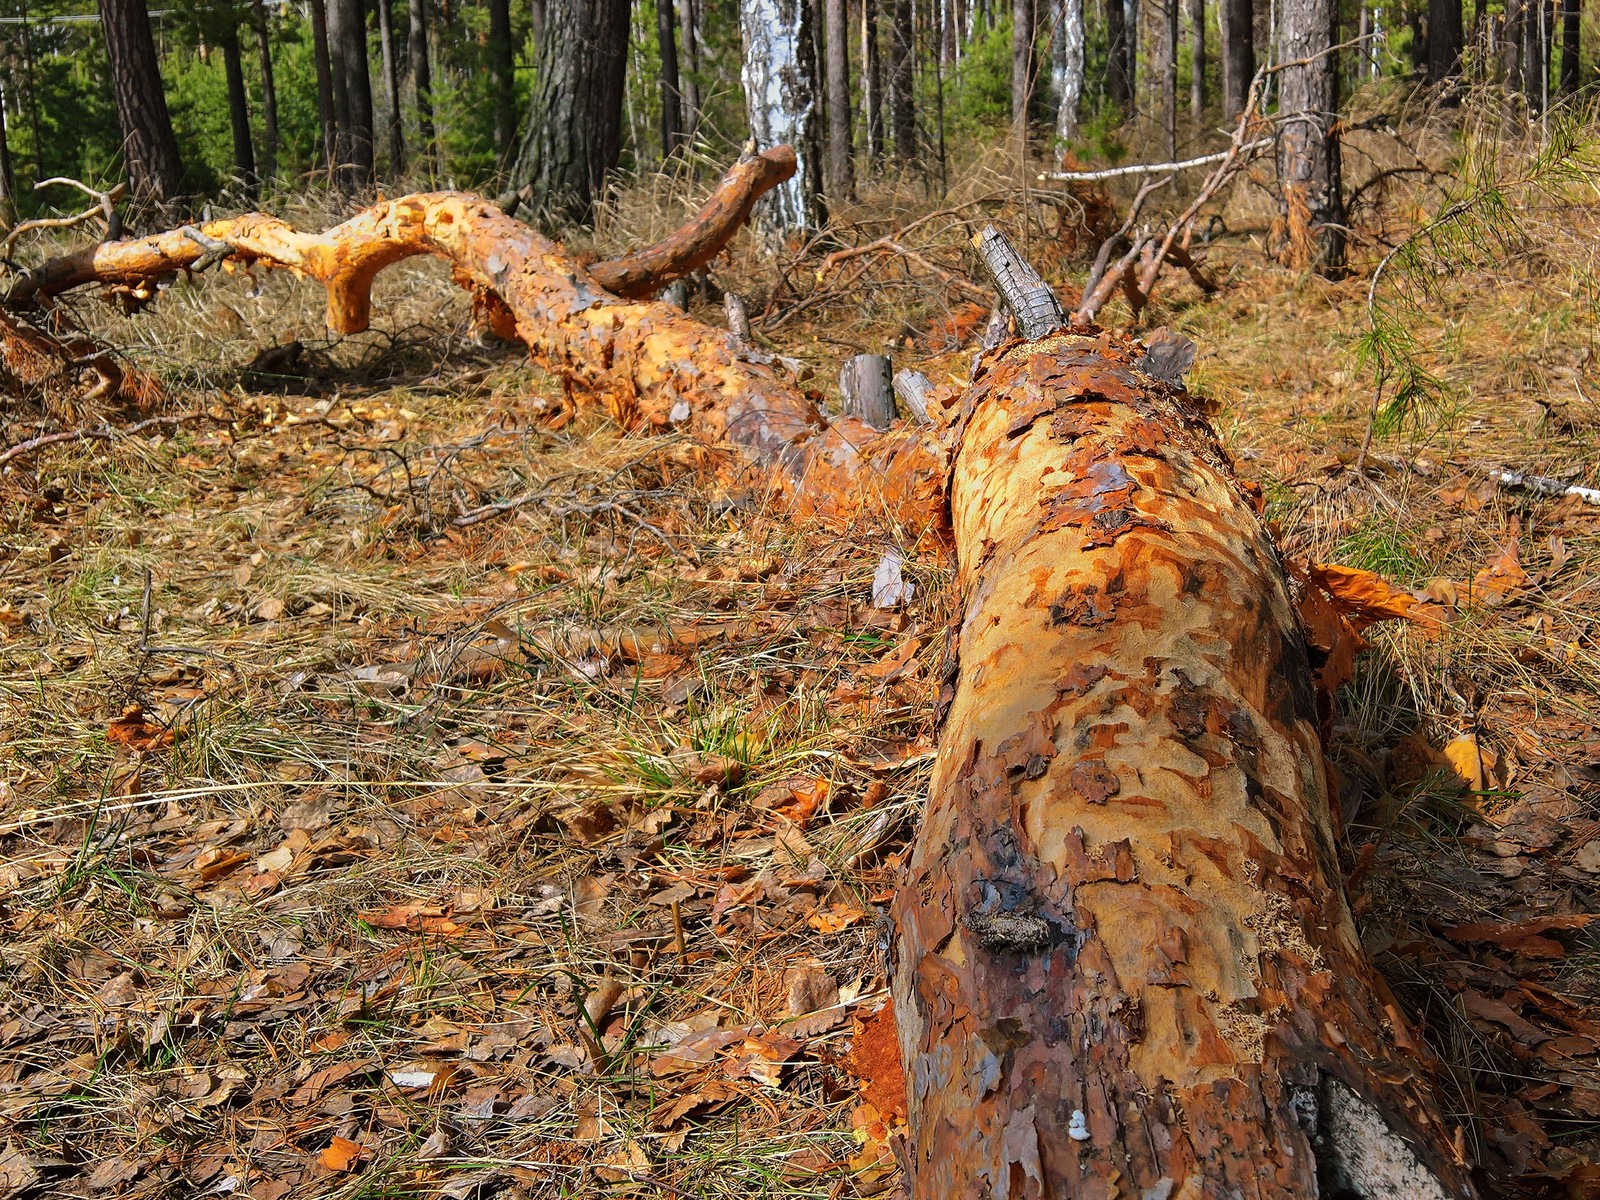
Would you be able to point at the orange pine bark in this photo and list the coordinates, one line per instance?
(1125, 966)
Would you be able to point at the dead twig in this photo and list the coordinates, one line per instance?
(104, 207)
(105, 433)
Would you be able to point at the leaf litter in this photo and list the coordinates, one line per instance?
(546, 853)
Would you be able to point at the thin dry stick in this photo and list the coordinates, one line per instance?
(1164, 168)
(22, 449)
(104, 203)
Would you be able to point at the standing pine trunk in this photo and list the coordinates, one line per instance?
(672, 132)
(1021, 71)
(841, 172)
(1119, 83)
(1535, 53)
(1308, 146)
(502, 86)
(269, 90)
(574, 130)
(1167, 66)
(780, 87)
(1444, 40)
(1197, 60)
(1237, 19)
(1511, 43)
(8, 179)
(1066, 66)
(689, 67)
(391, 88)
(902, 103)
(155, 170)
(352, 94)
(1571, 25)
(421, 77)
(872, 81)
(244, 156)
(324, 68)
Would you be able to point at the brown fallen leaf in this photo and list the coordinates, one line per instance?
(813, 1000)
(1363, 597)
(413, 918)
(137, 732)
(342, 1154)
(1521, 937)
(1503, 579)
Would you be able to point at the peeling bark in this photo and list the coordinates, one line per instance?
(1124, 965)
(653, 366)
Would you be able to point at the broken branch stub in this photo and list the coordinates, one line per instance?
(1029, 297)
(864, 381)
(914, 389)
(1124, 962)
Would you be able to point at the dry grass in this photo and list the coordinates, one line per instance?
(558, 741)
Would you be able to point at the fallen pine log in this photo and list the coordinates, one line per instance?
(653, 366)
(1124, 965)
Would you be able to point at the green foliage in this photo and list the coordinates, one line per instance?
(980, 99)
(1483, 221)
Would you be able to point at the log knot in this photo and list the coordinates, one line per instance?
(1007, 919)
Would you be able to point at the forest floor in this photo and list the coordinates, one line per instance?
(412, 785)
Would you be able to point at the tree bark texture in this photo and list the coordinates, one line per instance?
(260, 22)
(1167, 67)
(421, 76)
(244, 155)
(902, 102)
(780, 88)
(689, 66)
(1238, 23)
(502, 87)
(1571, 28)
(574, 130)
(352, 94)
(324, 67)
(391, 87)
(872, 80)
(1021, 66)
(1444, 40)
(1197, 60)
(1066, 66)
(841, 172)
(1309, 174)
(1119, 83)
(155, 169)
(1124, 965)
(8, 178)
(672, 125)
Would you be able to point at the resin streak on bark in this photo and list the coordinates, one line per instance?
(1125, 966)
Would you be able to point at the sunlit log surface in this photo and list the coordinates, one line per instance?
(1125, 966)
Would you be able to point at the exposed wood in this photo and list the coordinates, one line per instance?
(348, 257)
(1036, 308)
(699, 240)
(1124, 964)
(866, 382)
(914, 389)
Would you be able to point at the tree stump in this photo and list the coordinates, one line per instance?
(868, 394)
